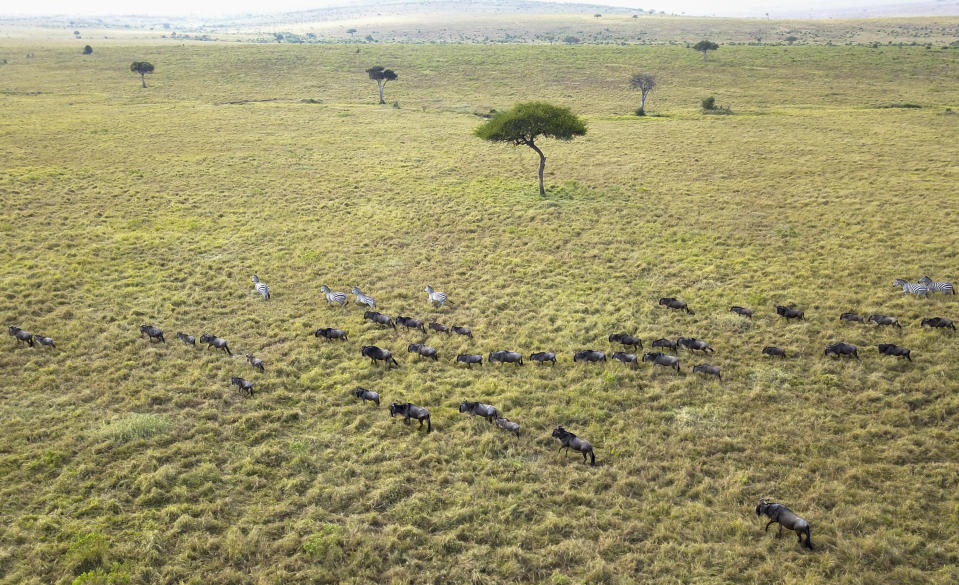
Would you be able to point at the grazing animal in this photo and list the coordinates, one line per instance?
(626, 339)
(543, 356)
(774, 351)
(692, 344)
(851, 317)
(186, 338)
(435, 296)
(152, 333)
(508, 425)
(571, 441)
(938, 322)
(261, 287)
(362, 299)
(333, 297)
(439, 327)
(840, 349)
(506, 357)
(463, 331)
(742, 311)
(589, 355)
(790, 313)
(943, 287)
(673, 303)
(884, 320)
(364, 394)
(375, 353)
(423, 350)
(663, 342)
(244, 385)
(707, 369)
(479, 409)
(44, 340)
(894, 350)
(911, 288)
(330, 334)
(411, 323)
(411, 411)
(626, 358)
(469, 359)
(786, 518)
(379, 318)
(255, 362)
(661, 359)
(22, 335)
(215, 342)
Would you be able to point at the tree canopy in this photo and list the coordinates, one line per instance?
(704, 46)
(381, 76)
(142, 67)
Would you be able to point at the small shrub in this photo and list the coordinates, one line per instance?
(87, 50)
(709, 103)
(325, 544)
(117, 575)
(396, 105)
(640, 112)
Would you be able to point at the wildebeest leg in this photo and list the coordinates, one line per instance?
(780, 533)
(771, 522)
(407, 419)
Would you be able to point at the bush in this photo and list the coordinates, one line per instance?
(640, 112)
(87, 50)
(709, 103)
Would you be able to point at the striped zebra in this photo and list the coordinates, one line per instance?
(943, 287)
(436, 296)
(362, 299)
(261, 287)
(333, 297)
(912, 287)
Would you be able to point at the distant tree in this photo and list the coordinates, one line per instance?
(381, 76)
(370, 39)
(142, 67)
(598, 15)
(527, 122)
(704, 47)
(645, 83)
(87, 50)
(351, 32)
(791, 39)
(571, 40)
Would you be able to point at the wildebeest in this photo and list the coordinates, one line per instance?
(626, 358)
(742, 311)
(255, 362)
(469, 359)
(691, 343)
(330, 334)
(894, 350)
(376, 353)
(463, 331)
(663, 342)
(851, 317)
(785, 517)
(674, 303)
(152, 333)
(571, 441)
(790, 313)
(626, 339)
(479, 409)
(508, 425)
(215, 342)
(44, 340)
(774, 351)
(21, 335)
(707, 369)
(411, 323)
(439, 327)
(244, 385)
(589, 355)
(423, 350)
(364, 394)
(841, 348)
(411, 411)
(543, 356)
(379, 318)
(938, 322)
(186, 338)
(506, 357)
(661, 359)
(884, 320)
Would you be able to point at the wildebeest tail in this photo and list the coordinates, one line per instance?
(808, 538)
(592, 457)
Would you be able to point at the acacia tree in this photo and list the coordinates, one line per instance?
(645, 83)
(142, 67)
(704, 46)
(381, 76)
(527, 122)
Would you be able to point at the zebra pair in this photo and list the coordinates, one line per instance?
(340, 297)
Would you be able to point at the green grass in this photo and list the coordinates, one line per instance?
(126, 461)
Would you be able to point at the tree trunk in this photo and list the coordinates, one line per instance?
(642, 105)
(704, 55)
(143, 80)
(542, 165)
(380, 85)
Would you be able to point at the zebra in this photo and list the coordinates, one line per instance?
(362, 299)
(261, 287)
(911, 287)
(333, 297)
(436, 296)
(943, 287)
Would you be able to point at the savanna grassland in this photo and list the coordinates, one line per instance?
(123, 461)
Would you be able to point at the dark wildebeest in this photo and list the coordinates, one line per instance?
(21, 335)
(707, 369)
(938, 322)
(774, 351)
(673, 303)
(507, 357)
(841, 348)
(186, 338)
(330, 334)
(364, 394)
(691, 343)
(255, 362)
(411, 323)
(894, 350)
(469, 359)
(742, 311)
(244, 385)
(661, 359)
(411, 411)
(626, 339)
(589, 355)
(423, 350)
(479, 409)
(508, 425)
(884, 320)
(152, 332)
(626, 358)
(571, 441)
(463, 331)
(379, 318)
(215, 342)
(663, 342)
(44, 340)
(790, 313)
(851, 317)
(543, 356)
(439, 327)
(375, 353)
(785, 517)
